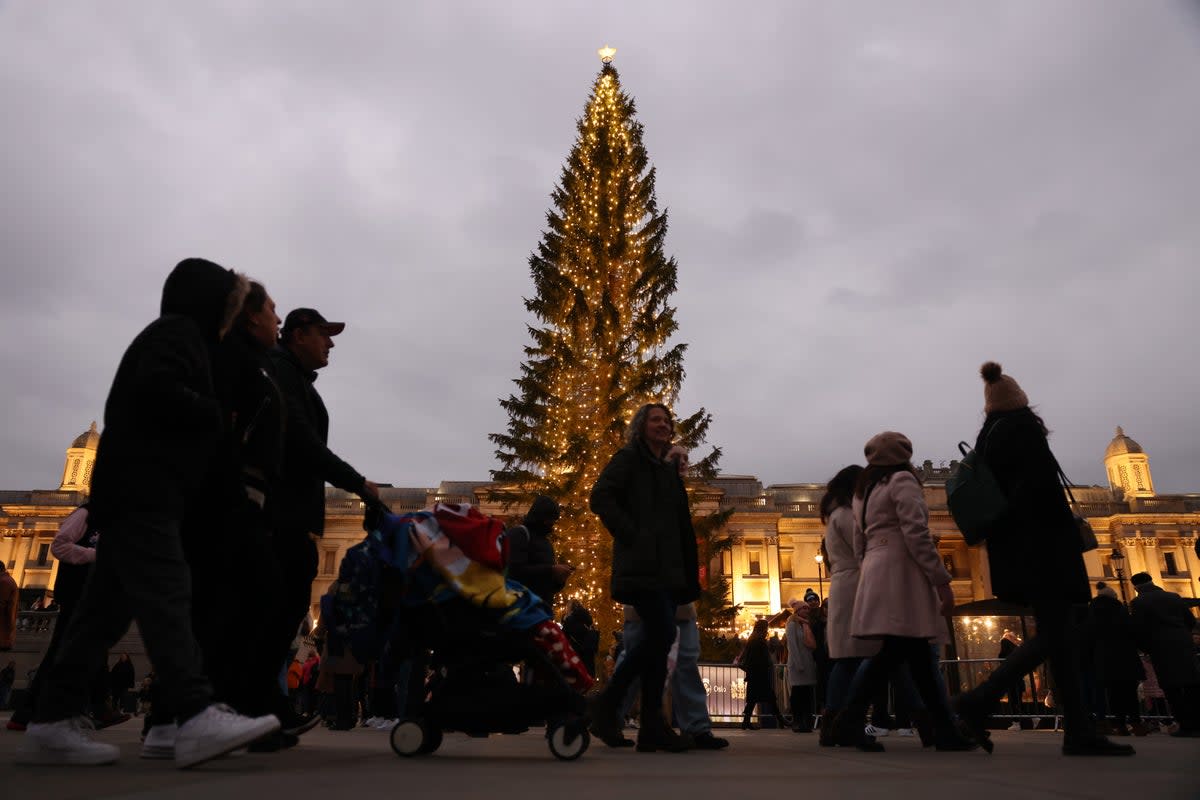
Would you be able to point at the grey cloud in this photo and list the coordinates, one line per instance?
(867, 201)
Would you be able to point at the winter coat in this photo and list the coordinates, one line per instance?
(531, 560)
(162, 421)
(643, 504)
(1162, 626)
(900, 563)
(801, 662)
(299, 505)
(759, 668)
(75, 548)
(9, 606)
(1108, 635)
(843, 586)
(255, 412)
(1034, 552)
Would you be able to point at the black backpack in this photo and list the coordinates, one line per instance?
(975, 499)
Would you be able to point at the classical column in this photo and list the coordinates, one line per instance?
(1188, 544)
(774, 584)
(1147, 548)
(981, 575)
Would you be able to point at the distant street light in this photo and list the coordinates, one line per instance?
(1118, 562)
(820, 559)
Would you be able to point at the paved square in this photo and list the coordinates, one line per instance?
(760, 764)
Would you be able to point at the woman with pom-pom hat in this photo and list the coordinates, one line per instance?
(1036, 560)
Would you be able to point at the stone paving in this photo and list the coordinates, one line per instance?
(763, 764)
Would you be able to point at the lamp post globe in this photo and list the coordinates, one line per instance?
(820, 559)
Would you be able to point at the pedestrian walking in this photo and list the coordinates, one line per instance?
(1108, 638)
(161, 405)
(1035, 558)
(299, 502)
(642, 502)
(759, 666)
(903, 591)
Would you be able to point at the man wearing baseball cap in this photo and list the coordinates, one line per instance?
(298, 515)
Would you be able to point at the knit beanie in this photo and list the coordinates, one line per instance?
(1000, 391)
(888, 449)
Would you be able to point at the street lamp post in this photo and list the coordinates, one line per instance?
(1118, 562)
(820, 559)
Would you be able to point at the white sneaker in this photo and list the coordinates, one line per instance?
(371, 722)
(906, 732)
(64, 742)
(878, 733)
(218, 730)
(1016, 726)
(385, 724)
(160, 741)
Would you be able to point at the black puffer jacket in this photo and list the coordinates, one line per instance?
(299, 504)
(162, 421)
(1034, 553)
(643, 504)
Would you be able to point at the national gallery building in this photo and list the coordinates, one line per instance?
(776, 529)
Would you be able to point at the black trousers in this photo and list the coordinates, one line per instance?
(296, 561)
(647, 660)
(802, 707)
(1056, 642)
(234, 601)
(140, 575)
(898, 650)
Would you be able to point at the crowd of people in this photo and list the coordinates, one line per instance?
(885, 619)
(218, 378)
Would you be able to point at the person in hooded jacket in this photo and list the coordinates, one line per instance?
(162, 424)
(641, 500)
(243, 659)
(531, 558)
(1036, 560)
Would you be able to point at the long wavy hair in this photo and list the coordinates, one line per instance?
(637, 425)
(840, 490)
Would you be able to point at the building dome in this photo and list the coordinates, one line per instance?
(88, 440)
(1122, 445)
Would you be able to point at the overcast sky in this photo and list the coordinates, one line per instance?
(867, 200)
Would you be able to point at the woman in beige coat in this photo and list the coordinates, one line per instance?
(903, 590)
(846, 652)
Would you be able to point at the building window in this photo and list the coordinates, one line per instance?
(43, 558)
(785, 564)
(1124, 473)
(754, 562)
(1137, 474)
(74, 471)
(330, 565)
(726, 563)
(1169, 565)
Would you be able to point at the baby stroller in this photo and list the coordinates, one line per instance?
(433, 582)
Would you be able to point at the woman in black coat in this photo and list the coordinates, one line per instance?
(1036, 560)
(759, 666)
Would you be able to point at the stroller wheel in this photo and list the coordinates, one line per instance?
(413, 737)
(568, 742)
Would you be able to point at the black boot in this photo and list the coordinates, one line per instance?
(658, 735)
(1094, 745)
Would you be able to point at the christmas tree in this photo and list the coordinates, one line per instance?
(600, 348)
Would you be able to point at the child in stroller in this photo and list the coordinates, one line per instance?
(433, 581)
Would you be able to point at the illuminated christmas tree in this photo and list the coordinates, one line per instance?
(600, 347)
